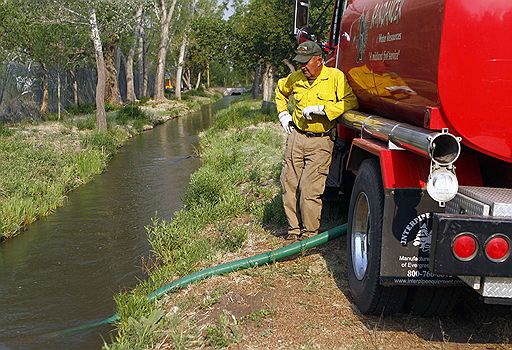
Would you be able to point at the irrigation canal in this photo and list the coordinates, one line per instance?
(65, 270)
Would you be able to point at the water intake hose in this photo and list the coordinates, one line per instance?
(253, 261)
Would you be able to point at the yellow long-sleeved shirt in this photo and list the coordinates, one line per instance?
(330, 89)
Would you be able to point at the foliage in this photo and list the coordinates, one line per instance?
(27, 30)
(5, 131)
(238, 116)
(131, 112)
(106, 142)
(224, 333)
(262, 33)
(35, 178)
(209, 37)
(85, 108)
(143, 101)
(321, 16)
(146, 325)
(87, 123)
(197, 92)
(109, 107)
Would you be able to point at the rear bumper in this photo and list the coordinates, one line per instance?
(444, 229)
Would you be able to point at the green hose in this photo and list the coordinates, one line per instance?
(253, 261)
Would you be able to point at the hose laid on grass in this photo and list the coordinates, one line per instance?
(253, 261)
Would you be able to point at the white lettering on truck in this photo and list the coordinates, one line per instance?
(387, 13)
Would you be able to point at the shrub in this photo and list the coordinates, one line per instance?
(107, 142)
(197, 92)
(131, 112)
(109, 107)
(88, 123)
(143, 100)
(86, 108)
(89, 162)
(5, 131)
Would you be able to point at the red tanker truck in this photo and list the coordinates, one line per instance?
(427, 159)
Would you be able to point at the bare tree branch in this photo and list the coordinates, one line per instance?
(79, 15)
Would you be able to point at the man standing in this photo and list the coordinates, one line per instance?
(321, 95)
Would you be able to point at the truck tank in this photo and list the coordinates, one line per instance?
(403, 57)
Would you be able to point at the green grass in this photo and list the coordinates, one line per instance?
(87, 123)
(131, 112)
(86, 108)
(107, 142)
(34, 178)
(223, 333)
(238, 179)
(37, 172)
(5, 131)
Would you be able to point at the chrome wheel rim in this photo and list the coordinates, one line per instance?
(359, 236)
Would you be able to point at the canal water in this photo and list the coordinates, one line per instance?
(65, 270)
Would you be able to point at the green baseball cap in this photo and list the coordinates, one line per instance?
(306, 50)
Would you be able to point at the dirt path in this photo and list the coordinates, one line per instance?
(304, 303)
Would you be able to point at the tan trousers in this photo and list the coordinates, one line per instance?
(303, 177)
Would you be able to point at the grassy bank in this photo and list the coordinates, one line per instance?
(41, 162)
(231, 201)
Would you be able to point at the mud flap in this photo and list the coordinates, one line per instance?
(407, 238)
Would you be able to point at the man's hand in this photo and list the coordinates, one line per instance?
(285, 118)
(318, 110)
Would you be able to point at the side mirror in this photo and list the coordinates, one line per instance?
(301, 16)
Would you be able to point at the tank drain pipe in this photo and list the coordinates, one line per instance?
(241, 264)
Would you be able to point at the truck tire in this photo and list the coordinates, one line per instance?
(431, 301)
(364, 245)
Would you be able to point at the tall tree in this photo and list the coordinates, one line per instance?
(114, 15)
(262, 37)
(101, 116)
(210, 36)
(130, 86)
(33, 35)
(186, 12)
(165, 13)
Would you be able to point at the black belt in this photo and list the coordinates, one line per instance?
(312, 134)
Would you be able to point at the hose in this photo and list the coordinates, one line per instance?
(253, 261)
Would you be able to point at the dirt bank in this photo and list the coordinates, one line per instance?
(304, 303)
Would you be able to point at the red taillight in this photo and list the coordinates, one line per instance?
(465, 246)
(497, 248)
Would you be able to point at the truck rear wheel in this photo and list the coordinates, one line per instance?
(364, 245)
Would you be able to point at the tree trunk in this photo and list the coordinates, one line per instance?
(165, 20)
(111, 85)
(44, 102)
(59, 103)
(186, 79)
(130, 86)
(179, 71)
(6, 78)
(101, 117)
(141, 59)
(268, 82)
(198, 81)
(146, 70)
(289, 65)
(208, 75)
(74, 86)
(256, 82)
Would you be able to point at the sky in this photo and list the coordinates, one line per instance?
(229, 11)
